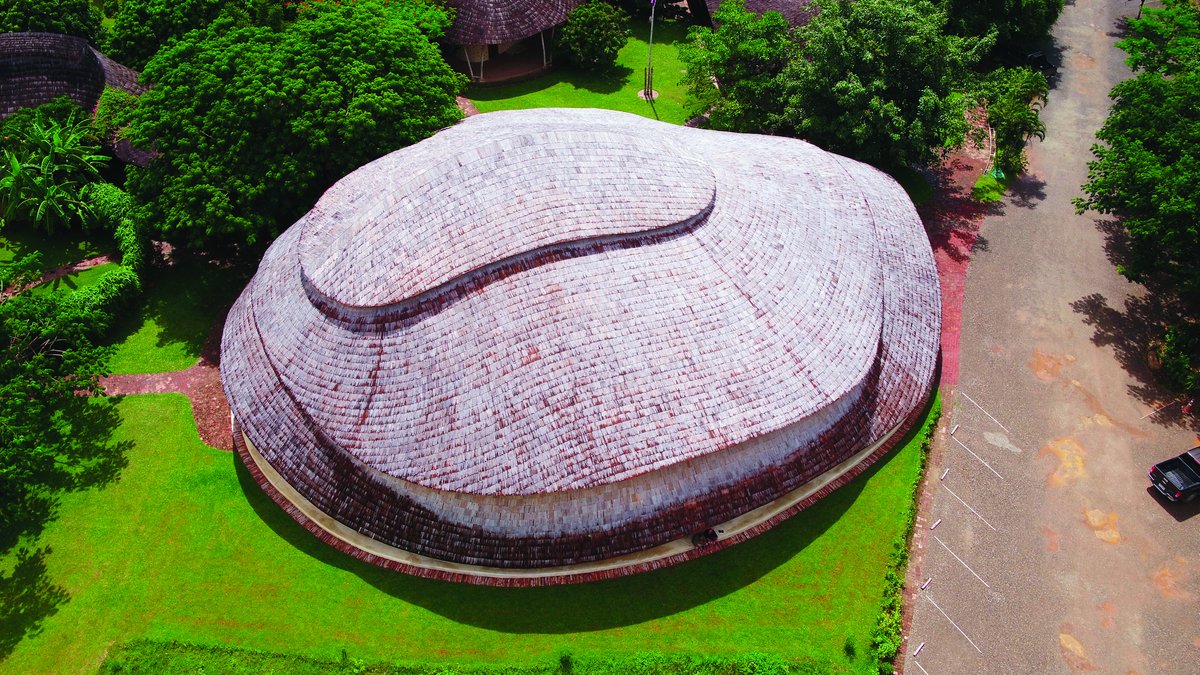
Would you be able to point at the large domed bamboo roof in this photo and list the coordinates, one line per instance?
(553, 337)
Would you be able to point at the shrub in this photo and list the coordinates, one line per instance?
(116, 292)
(69, 17)
(1179, 355)
(47, 161)
(594, 33)
(109, 204)
(132, 243)
(112, 112)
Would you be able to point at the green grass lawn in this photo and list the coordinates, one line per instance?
(566, 87)
(184, 546)
(61, 248)
(85, 278)
(989, 190)
(181, 305)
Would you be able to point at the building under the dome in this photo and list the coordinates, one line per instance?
(486, 29)
(549, 346)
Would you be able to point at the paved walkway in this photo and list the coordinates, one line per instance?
(1049, 554)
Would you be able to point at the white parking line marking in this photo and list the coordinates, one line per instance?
(989, 466)
(935, 606)
(985, 412)
(961, 561)
(921, 667)
(985, 522)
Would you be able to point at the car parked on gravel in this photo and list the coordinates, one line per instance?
(1178, 478)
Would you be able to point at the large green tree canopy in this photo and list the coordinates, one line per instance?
(251, 124)
(70, 17)
(1147, 165)
(733, 70)
(877, 81)
(141, 27)
(1017, 24)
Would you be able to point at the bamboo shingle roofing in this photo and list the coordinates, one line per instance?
(553, 337)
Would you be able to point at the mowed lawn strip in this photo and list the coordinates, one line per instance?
(58, 249)
(186, 547)
(182, 303)
(84, 278)
(615, 89)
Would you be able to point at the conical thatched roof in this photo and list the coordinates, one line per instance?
(489, 22)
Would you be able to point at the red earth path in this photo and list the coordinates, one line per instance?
(952, 222)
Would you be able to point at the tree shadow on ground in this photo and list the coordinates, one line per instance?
(1131, 329)
(581, 607)
(952, 218)
(86, 457)
(185, 299)
(27, 598)
(1026, 191)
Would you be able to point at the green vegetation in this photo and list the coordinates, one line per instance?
(745, 56)
(253, 124)
(879, 81)
(71, 17)
(150, 657)
(52, 440)
(888, 635)
(1016, 24)
(988, 189)
(85, 278)
(50, 155)
(914, 182)
(141, 27)
(185, 546)
(614, 89)
(594, 33)
(183, 303)
(1014, 98)
(1146, 169)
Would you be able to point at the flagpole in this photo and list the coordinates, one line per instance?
(649, 83)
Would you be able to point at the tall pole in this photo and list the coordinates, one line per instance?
(649, 84)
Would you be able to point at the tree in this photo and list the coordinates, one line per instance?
(1015, 23)
(733, 72)
(1146, 170)
(1147, 165)
(1014, 98)
(141, 27)
(47, 161)
(69, 17)
(252, 125)
(594, 33)
(877, 81)
(51, 438)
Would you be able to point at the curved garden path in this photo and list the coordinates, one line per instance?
(201, 384)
